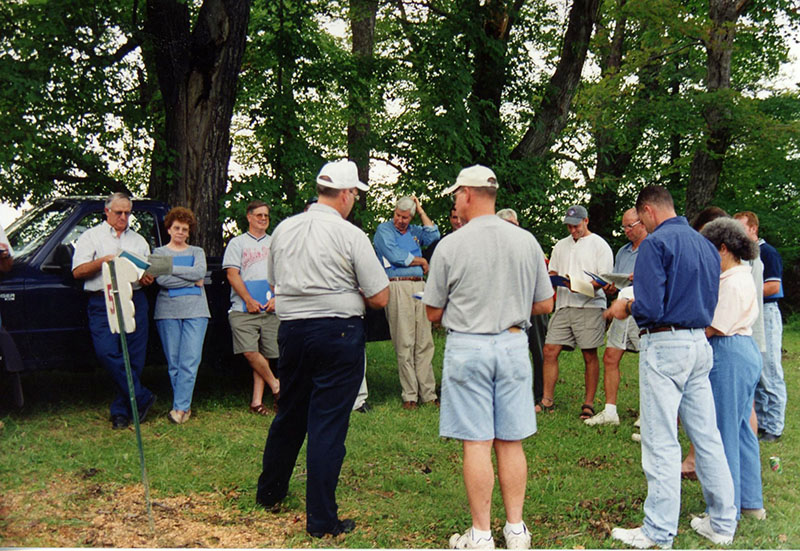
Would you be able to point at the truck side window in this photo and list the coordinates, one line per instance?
(144, 223)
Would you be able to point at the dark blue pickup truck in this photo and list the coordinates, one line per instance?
(43, 308)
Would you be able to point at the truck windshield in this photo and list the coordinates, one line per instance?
(28, 233)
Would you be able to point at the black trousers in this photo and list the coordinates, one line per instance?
(536, 335)
(320, 368)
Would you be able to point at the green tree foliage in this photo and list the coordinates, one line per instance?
(74, 104)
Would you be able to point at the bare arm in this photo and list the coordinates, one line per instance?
(6, 260)
(89, 269)
(378, 300)
(771, 287)
(236, 281)
(543, 306)
(434, 314)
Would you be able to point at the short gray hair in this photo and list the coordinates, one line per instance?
(406, 203)
(116, 196)
(508, 214)
(729, 232)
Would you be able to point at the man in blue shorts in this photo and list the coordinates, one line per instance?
(485, 281)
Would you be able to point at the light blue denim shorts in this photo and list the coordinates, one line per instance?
(487, 387)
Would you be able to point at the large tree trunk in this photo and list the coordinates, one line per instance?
(362, 26)
(551, 117)
(708, 159)
(490, 74)
(198, 74)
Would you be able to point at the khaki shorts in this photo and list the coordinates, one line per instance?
(572, 328)
(254, 333)
(623, 335)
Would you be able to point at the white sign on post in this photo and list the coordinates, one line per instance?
(127, 274)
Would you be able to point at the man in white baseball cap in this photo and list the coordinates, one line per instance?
(484, 283)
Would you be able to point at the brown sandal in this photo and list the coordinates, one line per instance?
(259, 410)
(587, 411)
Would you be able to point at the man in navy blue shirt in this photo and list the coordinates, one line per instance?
(676, 289)
(771, 389)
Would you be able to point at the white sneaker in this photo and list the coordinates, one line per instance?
(636, 437)
(758, 514)
(603, 418)
(635, 538)
(465, 541)
(702, 525)
(515, 540)
(638, 422)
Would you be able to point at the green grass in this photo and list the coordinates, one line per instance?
(400, 481)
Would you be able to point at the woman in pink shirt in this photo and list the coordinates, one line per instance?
(737, 361)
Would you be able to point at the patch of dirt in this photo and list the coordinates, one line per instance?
(76, 511)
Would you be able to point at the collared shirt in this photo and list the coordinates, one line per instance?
(677, 277)
(318, 263)
(626, 259)
(737, 308)
(487, 276)
(773, 268)
(573, 258)
(397, 250)
(102, 240)
(248, 254)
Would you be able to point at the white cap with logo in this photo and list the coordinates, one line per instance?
(474, 176)
(341, 174)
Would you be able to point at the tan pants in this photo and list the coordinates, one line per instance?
(413, 343)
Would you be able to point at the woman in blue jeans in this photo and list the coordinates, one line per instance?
(737, 361)
(181, 312)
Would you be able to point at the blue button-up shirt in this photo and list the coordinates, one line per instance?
(397, 250)
(677, 277)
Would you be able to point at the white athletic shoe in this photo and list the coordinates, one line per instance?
(515, 540)
(603, 418)
(638, 422)
(702, 525)
(635, 538)
(636, 437)
(465, 541)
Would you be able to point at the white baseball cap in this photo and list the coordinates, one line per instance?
(474, 176)
(341, 174)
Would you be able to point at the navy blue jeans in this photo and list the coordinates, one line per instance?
(320, 368)
(108, 349)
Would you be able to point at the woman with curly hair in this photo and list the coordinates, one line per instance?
(181, 312)
(737, 361)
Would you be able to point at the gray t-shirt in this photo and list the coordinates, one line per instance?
(249, 254)
(317, 264)
(179, 297)
(487, 276)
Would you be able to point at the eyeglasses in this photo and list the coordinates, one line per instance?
(261, 216)
(121, 212)
(456, 193)
(631, 226)
(355, 193)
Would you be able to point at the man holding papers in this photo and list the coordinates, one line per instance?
(578, 318)
(94, 247)
(254, 325)
(622, 334)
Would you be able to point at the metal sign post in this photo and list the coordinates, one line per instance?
(114, 303)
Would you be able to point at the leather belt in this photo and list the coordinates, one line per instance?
(662, 328)
(407, 278)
